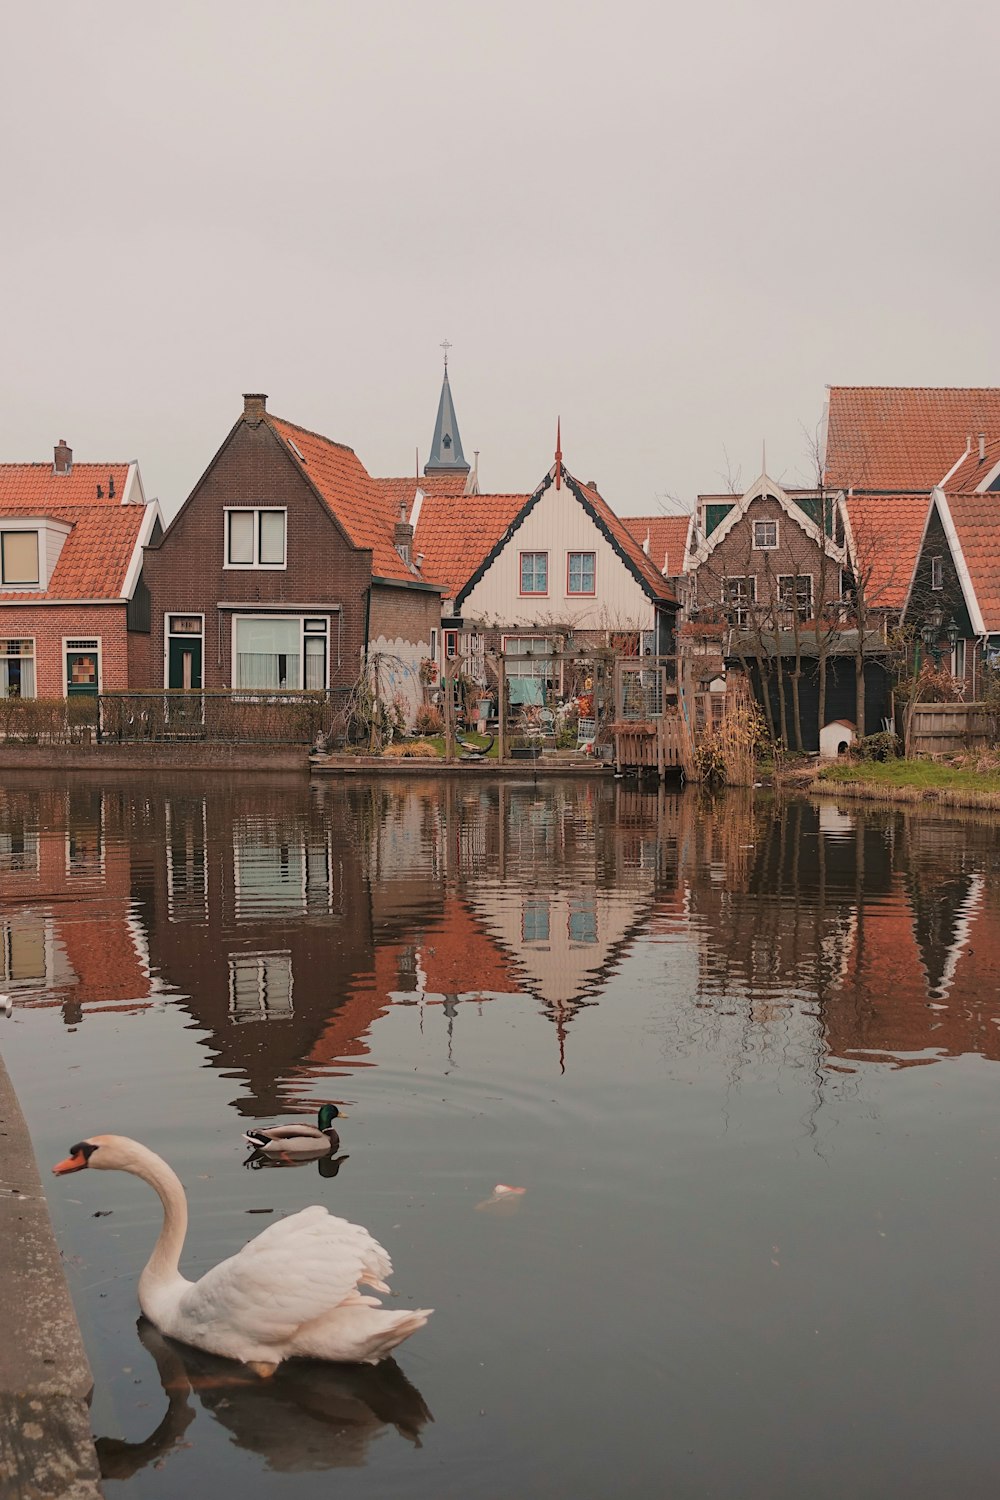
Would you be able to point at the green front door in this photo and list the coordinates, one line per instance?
(81, 672)
(184, 666)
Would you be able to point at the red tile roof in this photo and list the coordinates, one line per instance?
(903, 437)
(626, 541)
(668, 537)
(95, 556)
(977, 522)
(352, 496)
(884, 538)
(973, 471)
(456, 532)
(33, 489)
(401, 491)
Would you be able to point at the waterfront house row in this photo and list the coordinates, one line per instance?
(74, 612)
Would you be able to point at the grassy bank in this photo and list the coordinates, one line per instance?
(913, 781)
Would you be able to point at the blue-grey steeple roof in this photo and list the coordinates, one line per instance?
(446, 449)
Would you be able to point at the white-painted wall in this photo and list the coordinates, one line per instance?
(558, 525)
(400, 675)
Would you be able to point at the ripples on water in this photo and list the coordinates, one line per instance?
(738, 1054)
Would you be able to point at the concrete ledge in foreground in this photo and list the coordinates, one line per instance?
(46, 1448)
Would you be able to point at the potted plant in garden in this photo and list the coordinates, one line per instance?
(525, 747)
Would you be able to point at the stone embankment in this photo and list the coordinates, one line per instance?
(46, 1449)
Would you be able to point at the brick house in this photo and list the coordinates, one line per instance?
(74, 615)
(283, 568)
(956, 580)
(913, 467)
(761, 557)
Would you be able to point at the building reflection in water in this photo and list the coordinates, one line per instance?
(289, 918)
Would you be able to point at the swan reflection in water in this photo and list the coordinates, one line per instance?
(327, 1164)
(309, 1416)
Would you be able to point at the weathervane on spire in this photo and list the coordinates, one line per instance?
(446, 346)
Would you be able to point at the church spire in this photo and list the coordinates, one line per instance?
(446, 456)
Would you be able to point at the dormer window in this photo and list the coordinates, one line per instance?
(19, 559)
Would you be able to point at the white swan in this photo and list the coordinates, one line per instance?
(294, 1290)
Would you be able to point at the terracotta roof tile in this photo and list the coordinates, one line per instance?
(973, 470)
(896, 438)
(627, 542)
(353, 497)
(34, 489)
(883, 542)
(397, 491)
(977, 522)
(95, 555)
(668, 539)
(456, 532)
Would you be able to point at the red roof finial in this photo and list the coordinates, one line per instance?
(558, 453)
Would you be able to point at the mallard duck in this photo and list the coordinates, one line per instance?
(299, 1137)
(294, 1290)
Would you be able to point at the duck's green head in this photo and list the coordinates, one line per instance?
(327, 1114)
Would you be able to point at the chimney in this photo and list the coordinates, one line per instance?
(982, 446)
(63, 460)
(254, 408)
(402, 535)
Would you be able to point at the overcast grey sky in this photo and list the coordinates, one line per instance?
(671, 223)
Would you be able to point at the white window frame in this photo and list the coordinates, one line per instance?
(937, 572)
(766, 546)
(958, 655)
(749, 603)
(21, 530)
(275, 615)
(255, 566)
(4, 655)
(554, 666)
(169, 636)
(793, 578)
(99, 642)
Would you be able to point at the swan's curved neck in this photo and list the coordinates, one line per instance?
(162, 1264)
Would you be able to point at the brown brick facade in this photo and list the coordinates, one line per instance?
(50, 625)
(796, 554)
(185, 573)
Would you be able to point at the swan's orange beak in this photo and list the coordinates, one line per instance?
(74, 1163)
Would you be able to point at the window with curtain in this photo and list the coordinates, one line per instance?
(255, 538)
(534, 572)
(268, 653)
(18, 558)
(581, 573)
(17, 669)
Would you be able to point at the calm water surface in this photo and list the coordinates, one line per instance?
(740, 1057)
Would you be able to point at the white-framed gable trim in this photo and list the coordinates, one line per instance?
(960, 460)
(573, 485)
(149, 521)
(988, 479)
(939, 501)
(132, 490)
(765, 487)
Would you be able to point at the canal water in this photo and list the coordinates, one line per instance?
(738, 1056)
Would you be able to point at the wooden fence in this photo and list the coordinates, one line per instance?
(944, 728)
